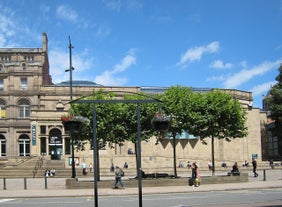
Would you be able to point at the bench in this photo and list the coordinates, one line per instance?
(236, 173)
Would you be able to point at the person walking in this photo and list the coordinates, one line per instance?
(118, 174)
(254, 163)
(195, 180)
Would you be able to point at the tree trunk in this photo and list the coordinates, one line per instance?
(174, 155)
(212, 151)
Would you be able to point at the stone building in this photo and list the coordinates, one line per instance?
(31, 107)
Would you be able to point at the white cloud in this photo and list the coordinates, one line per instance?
(196, 53)
(114, 5)
(216, 78)
(103, 31)
(59, 62)
(219, 64)
(110, 77)
(262, 88)
(245, 75)
(67, 13)
(134, 5)
(7, 25)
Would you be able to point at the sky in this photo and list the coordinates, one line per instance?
(234, 44)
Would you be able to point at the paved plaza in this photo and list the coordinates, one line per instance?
(37, 187)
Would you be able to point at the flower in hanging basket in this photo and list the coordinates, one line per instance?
(161, 122)
(160, 117)
(67, 117)
(73, 123)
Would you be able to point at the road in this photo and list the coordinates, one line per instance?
(244, 198)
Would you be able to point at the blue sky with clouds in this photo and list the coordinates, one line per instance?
(233, 44)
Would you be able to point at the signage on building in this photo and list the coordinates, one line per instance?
(33, 134)
(54, 140)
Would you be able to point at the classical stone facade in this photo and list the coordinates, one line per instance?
(31, 107)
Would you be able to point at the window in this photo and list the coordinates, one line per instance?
(24, 109)
(23, 84)
(67, 146)
(1, 68)
(2, 109)
(24, 66)
(5, 58)
(1, 84)
(42, 129)
(24, 145)
(29, 58)
(2, 146)
(43, 145)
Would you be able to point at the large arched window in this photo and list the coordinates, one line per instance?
(2, 109)
(24, 145)
(2, 146)
(24, 108)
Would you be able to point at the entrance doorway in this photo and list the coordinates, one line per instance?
(55, 144)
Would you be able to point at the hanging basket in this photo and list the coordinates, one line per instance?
(72, 126)
(160, 123)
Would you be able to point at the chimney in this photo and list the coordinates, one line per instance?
(45, 42)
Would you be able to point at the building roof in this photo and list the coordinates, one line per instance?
(78, 83)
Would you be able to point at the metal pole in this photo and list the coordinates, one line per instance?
(4, 184)
(95, 158)
(264, 175)
(46, 186)
(73, 174)
(25, 184)
(139, 156)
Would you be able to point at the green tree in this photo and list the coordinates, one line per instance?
(116, 122)
(205, 115)
(274, 101)
(177, 103)
(217, 114)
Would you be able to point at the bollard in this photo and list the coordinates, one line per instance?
(25, 184)
(46, 187)
(264, 175)
(4, 183)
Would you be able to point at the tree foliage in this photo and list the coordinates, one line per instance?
(275, 103)
(217, 114)
(116, 122)
(206, 115)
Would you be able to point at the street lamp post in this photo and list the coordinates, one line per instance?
(73, 174)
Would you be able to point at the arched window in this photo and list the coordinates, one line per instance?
(24, 145)
(24, 108)
(23, 66)
(2, 146)
(2, 109)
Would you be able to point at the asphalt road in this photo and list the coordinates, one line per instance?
(244, 198)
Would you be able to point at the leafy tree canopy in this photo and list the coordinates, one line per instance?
(275, 103)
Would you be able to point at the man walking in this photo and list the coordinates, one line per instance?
(254, 163)
(118, 174)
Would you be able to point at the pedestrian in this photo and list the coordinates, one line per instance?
(90, 167)
(52, 172)
(118, 174)
(210, 165)
(195, 175)
(125, 166)
(84, 169)
(112, 168)
(254, 163)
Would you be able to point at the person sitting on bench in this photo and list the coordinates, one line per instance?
(235, 169)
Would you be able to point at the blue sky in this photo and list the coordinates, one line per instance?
(233, 44)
